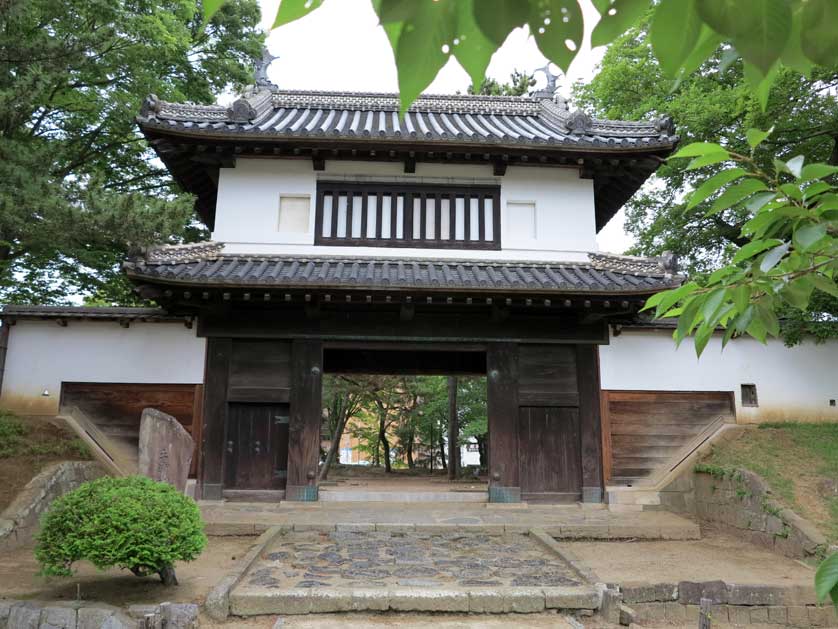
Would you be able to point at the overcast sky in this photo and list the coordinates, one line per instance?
(341, 47)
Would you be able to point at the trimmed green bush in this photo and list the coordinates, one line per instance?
(133, 523)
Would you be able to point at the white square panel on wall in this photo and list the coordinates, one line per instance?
(294, 214)
(521, 224)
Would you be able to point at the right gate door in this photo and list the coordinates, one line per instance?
(549, 454)
(549, 448)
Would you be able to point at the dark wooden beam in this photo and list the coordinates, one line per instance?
(305, 418)
(502, 411)
(410, 163)
(590, 423)
(216, 374)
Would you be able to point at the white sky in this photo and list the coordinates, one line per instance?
(340, 47)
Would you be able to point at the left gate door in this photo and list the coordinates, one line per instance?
(256, 454)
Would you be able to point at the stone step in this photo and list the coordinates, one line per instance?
(632, 496)
(327, 494)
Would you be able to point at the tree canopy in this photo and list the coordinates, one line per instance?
(715, 106)
(79, 187)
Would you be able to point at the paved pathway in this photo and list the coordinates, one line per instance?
(349, 559)
(563, 521)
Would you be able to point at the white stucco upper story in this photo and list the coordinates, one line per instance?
(267, 206)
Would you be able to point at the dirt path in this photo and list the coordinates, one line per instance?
(19, 578)
(715, 556)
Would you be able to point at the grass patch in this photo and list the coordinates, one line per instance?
(12, 432)
(15, 441)
(799, 462)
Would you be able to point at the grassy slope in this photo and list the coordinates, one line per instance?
(800, 463)
(27, 445)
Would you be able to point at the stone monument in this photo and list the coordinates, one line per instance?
(165, 449)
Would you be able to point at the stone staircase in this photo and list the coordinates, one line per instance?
(670, 489)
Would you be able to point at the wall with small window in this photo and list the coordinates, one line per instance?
(540, 213)
(769, 382)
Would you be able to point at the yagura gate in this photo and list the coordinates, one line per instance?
(262, 408)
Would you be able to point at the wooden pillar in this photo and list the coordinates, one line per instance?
(216, 374)
(590, 424)
(304, 425)
(5, 328)
(453, 430)
(502, 402)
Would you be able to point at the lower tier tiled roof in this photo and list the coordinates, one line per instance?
(204, 265)
(107, 313)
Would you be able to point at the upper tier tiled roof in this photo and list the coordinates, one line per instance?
(517, 121)
(206, 264)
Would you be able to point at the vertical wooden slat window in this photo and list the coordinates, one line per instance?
(402, 215)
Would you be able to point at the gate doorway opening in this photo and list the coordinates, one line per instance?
(387, 427)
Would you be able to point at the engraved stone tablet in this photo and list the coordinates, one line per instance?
(165, 448)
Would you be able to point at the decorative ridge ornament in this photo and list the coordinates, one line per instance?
(241, 111)
(549, 90)
(665, 125)
(578, 122)
(151, 106)
(261, 70)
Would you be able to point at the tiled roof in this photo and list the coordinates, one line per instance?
(469, 119)
(602, 275)
(15, 311)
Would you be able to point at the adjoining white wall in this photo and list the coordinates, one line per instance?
(793, 383)
(247, 210)
(41, 355)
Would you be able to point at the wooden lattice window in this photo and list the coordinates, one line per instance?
(405, 215)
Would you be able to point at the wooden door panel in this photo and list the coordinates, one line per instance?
(257, 446)
(549, 452)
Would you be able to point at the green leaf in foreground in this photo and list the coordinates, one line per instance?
(674, 33)
(211, 7)
(735, 194)
(698, 149)
(755, 137)
(497, 18)
(714, 184)
(826, 579)
(558, 28)
(290, 10)
(820, 39)
(616, 20)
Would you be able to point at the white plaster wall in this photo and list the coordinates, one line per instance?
(41, 355)
(793, 383)
(247, 209)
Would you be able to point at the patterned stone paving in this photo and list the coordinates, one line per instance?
(349, 559)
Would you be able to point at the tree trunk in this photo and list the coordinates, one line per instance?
(409, 453)
(382, 437)
(453, 431)
(442, 451)
(167, 575)
(481, 451)
(337, 435)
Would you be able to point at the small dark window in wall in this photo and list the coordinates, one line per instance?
(749, 395)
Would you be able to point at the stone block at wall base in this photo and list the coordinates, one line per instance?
(25, 511)
(742, 504)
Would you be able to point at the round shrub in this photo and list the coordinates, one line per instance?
(132, 522)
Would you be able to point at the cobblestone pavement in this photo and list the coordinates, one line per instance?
(348, 559)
